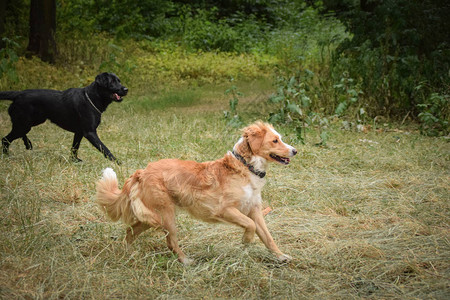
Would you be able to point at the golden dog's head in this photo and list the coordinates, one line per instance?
(261, 139)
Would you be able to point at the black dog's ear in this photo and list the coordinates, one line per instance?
(103, 79)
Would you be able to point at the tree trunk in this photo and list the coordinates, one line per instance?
(42, 29)
(3, 5)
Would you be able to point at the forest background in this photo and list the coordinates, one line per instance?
(363, 59)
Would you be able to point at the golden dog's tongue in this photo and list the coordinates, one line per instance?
(283, 160)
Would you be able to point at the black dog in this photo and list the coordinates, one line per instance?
(77, 110)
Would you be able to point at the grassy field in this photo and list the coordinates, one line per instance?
(365, 217)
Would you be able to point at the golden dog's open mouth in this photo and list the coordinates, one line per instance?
(280, 159)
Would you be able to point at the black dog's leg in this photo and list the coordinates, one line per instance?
(16, 132)
(27, 142)
(5, 145)
(75, 145)
(95, 141)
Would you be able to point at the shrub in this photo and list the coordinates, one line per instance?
(143, 66)
(232, 116)
(293, 105)
(123, 19)
(434, 115)
(8, 59)
(395, 46)
(203, 30)
(348, 95)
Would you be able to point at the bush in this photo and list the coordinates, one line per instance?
(8, 59)
(203, 30)
(294, 104)
(122, 19)
(143, 66)
(434, 115)
(396, 45)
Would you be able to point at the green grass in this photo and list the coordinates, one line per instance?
(169, 99)
(365, 217)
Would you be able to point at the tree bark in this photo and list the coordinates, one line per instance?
(3, 5)
(42, 29)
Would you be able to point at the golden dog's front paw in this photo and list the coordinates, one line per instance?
(284, 258)
(186, 261)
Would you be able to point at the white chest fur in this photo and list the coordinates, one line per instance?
(252, 194)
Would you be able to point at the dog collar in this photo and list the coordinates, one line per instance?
(89, 99)
(251, 168)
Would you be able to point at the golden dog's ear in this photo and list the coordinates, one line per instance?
(254, 134)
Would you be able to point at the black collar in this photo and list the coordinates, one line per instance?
(251, 168)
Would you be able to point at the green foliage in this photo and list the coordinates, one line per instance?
(123, 19)
(308, 38)
(168, 64)
(395, 46)
(233, 26)
(14, 19)
(434, 115)
(195, 26)
(348, 95)
(8, 60)
(233, 118)
(113, 63)
(202, 30)
(145, 67)
(367, 58)
(293, 105)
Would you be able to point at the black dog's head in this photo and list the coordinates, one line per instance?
(110, 84)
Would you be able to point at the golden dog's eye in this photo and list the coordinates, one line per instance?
(275, 141)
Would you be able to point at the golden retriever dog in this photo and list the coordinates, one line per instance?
(225, 190)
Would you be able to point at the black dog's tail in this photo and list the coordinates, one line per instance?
(9, 95)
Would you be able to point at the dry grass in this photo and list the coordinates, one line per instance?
(367, 217)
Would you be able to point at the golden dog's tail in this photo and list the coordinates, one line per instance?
(112, 201)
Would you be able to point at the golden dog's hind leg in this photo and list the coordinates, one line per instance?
(168, 224)
(146, 217)
(135, 230)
